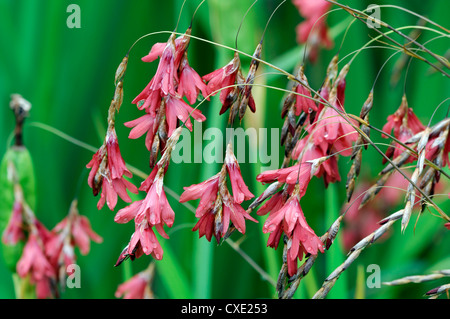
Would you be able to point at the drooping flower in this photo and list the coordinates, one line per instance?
(206, 191)
(303, 103)
(403, 117)
(289, 219)
(403, 124)
(172, 75)
(14, 232)
(217, 206)
(143, 125)
(190, 82)
(138, 286)
(215, 219)
(107, 173)
(330, 133)
(155, 207)
(299, 174)
(134, 288)
(313, 29)
(334, 133)
(178, 109)
(78, 228)
(34, 262)
(240, 190)
(309, 151)
(223, 79)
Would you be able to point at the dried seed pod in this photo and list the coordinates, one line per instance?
(398, 161)
(367, 106)
(120, 72)
(421, 149)
(237, 97)
(271, 190)
(375, 189)
(333, 231)
(284, 132)
(118, 96)
(353, 174)
(428, 189)
(434, 293)
(247, 99)
(218, 219)
(154, 151)
(410, 196)
(393, 217)
(287, 104)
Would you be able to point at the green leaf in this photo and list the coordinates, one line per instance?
(21, 160)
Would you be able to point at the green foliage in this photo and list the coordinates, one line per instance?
(19, 159)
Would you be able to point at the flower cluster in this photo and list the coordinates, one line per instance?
(108, 169)
(217, 206)
(152, 212)
(46, 254)
(108, 172)
(286, 215)
(328, 133)
(331, 132)
(162, 99)
(235, 90)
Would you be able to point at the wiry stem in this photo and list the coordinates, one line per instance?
(355, 252)
(357, 14)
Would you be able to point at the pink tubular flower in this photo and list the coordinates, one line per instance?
(335, 133)
(165, 76)
(223, 78)
(190, 82)
(310, 152)
(234, 212)
(147, 240)
(447, 225)
(153, 211)
(216, 221)
(289, 219)
(217, 207)
(330, 133)
(403, 117)
(174, 108)
(177, 108)
(240, 190)
(299, 174)
(303, 241)
(303, 103)
(154, 208)
(143, 241)
(34, 261)
(107, 173)
(80, 230)
(313, 30)
(404, 124)
(14, 231)
(206, 191)
(167, 80)
(142, 125)
(215, 211)
(134, 288)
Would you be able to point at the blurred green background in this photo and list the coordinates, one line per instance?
(67, 75)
